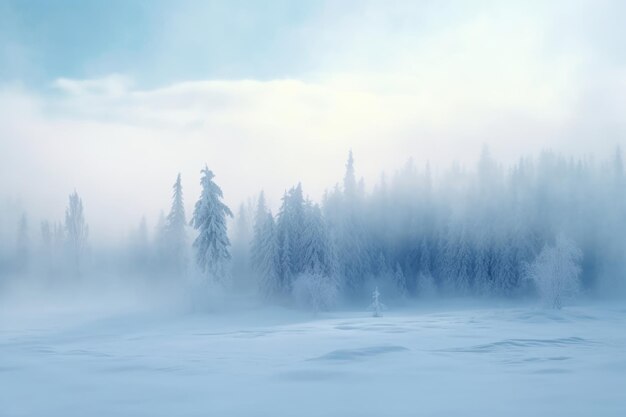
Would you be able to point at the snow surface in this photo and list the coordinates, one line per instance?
(513, 361)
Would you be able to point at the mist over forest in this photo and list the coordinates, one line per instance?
(311, 208)
(485, 232)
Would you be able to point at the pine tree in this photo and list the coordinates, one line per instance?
(23, 244)
(160, 241)
(209, 219)
(425, 282)
(318, 257)
(264, 250)
(349, 232)
(268, 265)
(46, 238)
(350, 187)
(316, 285)
(505, 268)
(174, 234)
(290, 231)
(399, 281)
(376, 307)
(257, 248)
(556, 272)
(241, 237)
(58, 241)
(76, 231)
(285, 269)
(483, 285)
(140, 246)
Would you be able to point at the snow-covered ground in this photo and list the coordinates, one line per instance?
(510, 361)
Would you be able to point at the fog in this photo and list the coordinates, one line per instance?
(304, 208)
(416, 233)
(387, 81)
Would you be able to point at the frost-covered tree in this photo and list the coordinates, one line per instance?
(46, 247)
(456, 263)
(505, 267)
(315, 291)
(425, 285)
(264, 250)
(209, 219)
(46, 236)
(317, 250)
(290, 226)
(22, 257)
(241, 237)
(350, 187)
(258, 243)
(139, 247)
(76, 232)
(377, 307)
(58, 238)
(556, 272)
(399, 281)
(345, 217)
(174, 232)
(316, 285)
(160, 242)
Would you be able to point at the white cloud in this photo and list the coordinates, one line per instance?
(386, 92)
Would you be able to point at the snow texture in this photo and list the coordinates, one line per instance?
(430, 361)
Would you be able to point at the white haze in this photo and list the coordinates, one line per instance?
(400, 80)
(442, 228)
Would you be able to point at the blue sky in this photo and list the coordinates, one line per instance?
(164, 41)
(154, 41)
(161, 41)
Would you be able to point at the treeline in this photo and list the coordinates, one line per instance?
(418, 233)
(461, 233)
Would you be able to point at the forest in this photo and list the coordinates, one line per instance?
(548, 226)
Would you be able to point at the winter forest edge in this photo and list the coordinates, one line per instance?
(546, 228)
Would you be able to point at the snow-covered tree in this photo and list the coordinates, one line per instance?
(426, 287)
(399, 281)
(174, 233)
(345, 217)
(76, 232)
(209, 219)
(350, 187)
(290, 226)
(23, 244)
(376, 307)
(58, 238)
(258, 244)
(264, 250)
(425, 283)
(556, 272)
(241, 237)
(317, 251)
(139, 246)
(46, 236)
(160, 241)
(316, 285)
(315, 291)
(456, 265)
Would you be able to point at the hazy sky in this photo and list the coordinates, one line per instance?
(113, 98)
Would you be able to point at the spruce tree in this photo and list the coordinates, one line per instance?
(290, 231)
(76, 232)
(318, 257)
(257, 248)
(175, 237)
(399, 281)
(209, 219)
(23, 245)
